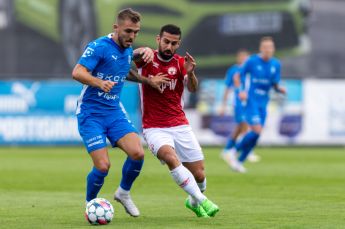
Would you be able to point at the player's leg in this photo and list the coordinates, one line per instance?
(91, 130)
(131, 168)
(253, 135)
(183, 177)
(248, 142)
(189, 152)
(95, 178)
(121, 133)
(239, 117)
(197, 168)
(161, 144)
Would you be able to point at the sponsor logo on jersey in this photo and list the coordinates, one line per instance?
(172, 71)
(114, 57)
(172, 85)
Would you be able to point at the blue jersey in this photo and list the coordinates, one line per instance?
(108, 61)
(263, 75)
(229, 81)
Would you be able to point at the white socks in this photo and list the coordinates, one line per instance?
(185, 179)
(202, 187)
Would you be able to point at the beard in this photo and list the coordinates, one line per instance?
(122, 42)
(166, 55)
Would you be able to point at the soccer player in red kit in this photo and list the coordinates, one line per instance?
(165, 126)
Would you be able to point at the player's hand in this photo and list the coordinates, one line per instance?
(157, 80)
(190, 63)
(106, 85)
(146, 54)
(243, 96)
(222, 110)
(282, 90)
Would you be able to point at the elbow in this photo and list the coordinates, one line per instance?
(75, 74)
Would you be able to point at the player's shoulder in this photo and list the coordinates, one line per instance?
(275, 60)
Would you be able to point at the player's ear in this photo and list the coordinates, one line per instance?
(158, 39)
(115, 26)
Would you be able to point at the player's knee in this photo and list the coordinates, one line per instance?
(103, 166)
(199, 175)
(137, 155)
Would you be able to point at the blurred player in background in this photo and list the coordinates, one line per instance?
(263, 70)
(165, 126)
(233, 83)
(102, 69)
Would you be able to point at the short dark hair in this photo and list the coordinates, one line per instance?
(128, 13)
(242, 50)
(266, 38)
(172, 29)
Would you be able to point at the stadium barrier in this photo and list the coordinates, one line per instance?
(42, 112)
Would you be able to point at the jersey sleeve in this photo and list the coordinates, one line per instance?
(91, 56)
(276, 77)
(244, 71)
(228, 77)
(181, 65)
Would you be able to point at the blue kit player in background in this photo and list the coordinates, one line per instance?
(263, 71)
(102, 69)
(233, 83)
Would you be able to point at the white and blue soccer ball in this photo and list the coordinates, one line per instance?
(99, 211)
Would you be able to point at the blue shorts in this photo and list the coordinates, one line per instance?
(239, 113)
(255, 114)
(95, 128)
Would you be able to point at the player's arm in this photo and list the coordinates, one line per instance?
(192, 81)
(82, 75)
(279, 89)
(154, 82)
(142, 55)
(276, 85)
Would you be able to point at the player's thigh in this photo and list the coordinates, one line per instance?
(92, 131)
(197, 168)
(131, 145)
(157, 138)
(100, 159)
(253, 115)
(187, 146)
(240, 114)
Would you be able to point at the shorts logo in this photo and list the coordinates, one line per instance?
(172, 71)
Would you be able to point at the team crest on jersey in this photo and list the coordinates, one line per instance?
(172, 71)
(273, 70)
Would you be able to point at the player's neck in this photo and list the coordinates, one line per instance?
(162, 59)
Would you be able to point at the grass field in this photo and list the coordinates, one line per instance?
(290, 188)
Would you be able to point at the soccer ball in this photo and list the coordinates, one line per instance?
(99, 211)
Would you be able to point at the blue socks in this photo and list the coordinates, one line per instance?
(246, 145)
(130, 170)
(94, 183)
(231, 142)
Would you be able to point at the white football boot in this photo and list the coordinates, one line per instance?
(125, 199)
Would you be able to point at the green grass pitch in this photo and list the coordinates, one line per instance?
(290, 188)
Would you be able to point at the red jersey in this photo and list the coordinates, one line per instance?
(163, 109)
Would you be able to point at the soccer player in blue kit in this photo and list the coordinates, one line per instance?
(232, 82)
(263, 70)
(102, 69)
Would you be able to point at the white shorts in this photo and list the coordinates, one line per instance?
(181, 138)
